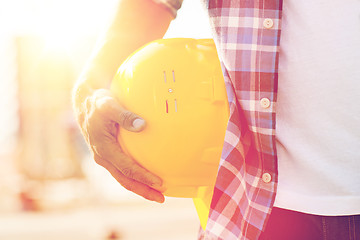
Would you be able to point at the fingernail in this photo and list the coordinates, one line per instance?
(157, 182)
(159, 199)
(138, 123)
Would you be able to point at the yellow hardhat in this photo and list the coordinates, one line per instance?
(177, 86)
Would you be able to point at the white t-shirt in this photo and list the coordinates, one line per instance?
(318, 109)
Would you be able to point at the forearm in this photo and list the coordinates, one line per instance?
(136, 23)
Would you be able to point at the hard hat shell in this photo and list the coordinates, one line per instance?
(177, 86)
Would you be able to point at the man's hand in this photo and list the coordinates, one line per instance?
(100, 122)
(135, 23)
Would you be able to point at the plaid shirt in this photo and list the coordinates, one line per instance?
(247, 35)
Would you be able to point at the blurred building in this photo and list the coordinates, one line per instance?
(47, 147)
(50, 187)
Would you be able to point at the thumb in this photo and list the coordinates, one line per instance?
(110, 108)
(130, 121)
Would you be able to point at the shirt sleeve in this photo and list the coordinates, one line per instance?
(172, 5)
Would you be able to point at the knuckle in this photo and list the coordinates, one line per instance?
(128, 172)
(129, 186)
(90, 120)
(98, 161)
(91, 117)
(126, 118)
(103, 104)
(88, 104)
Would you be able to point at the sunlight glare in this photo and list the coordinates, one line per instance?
(62, 23)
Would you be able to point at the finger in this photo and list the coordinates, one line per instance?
(111, 152)
(133, 170)
(103, 142)
(110, 107)
(131, 184)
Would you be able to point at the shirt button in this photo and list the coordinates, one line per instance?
(268, 23)
(265, 103)
(266, 177)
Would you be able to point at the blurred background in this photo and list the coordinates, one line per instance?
(50, 188)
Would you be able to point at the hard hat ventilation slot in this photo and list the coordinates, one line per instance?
(173, 75)
(167, 105)
(164, 76)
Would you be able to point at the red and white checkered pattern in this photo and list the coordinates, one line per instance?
(249, 52)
